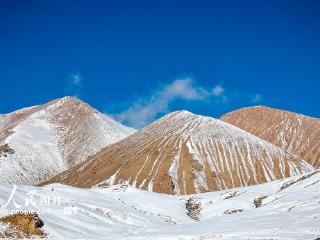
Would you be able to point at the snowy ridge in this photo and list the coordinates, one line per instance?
(295, 133)
(77, 124)
(41, 141)
(282, 210)
(184, 153)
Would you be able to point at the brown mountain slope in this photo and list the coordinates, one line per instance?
(184, 153)
(295, 133)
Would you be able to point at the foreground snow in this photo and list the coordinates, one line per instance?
(290, 210)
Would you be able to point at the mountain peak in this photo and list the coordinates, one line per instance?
(181, 112)
(65, 100)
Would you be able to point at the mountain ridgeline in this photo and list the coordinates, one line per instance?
(67, 141)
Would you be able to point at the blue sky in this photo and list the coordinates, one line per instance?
(137, 60)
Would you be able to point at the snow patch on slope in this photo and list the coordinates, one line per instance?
(36, 152)
(50, 138)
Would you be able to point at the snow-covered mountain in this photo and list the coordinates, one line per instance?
(295, 133)
(41, 141)
(282, 210)
(184, 153)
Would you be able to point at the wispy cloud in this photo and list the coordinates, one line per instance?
(74, 84)
(147, 109)
(218, 90)
(256, 98)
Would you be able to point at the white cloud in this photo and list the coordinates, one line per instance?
(217, 90)
(147, 109)
(256, 98)
(74, 84)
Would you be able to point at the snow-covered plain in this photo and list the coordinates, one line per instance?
(290, 209)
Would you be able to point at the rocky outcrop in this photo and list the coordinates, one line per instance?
(193, 209)
(6, 150)
(28, 223)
